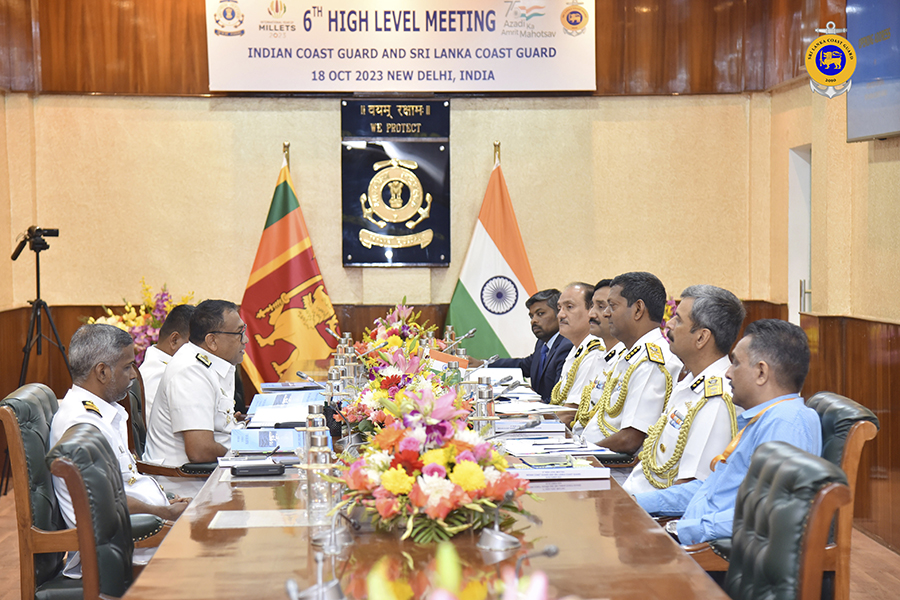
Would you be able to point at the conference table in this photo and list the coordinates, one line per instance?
(242, 539)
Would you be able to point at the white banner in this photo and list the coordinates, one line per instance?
(401, 45)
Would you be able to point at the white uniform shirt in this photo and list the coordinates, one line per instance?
(196, 393)
(646, 397)
(589, 367)
(152, 369)
(113, 424)
(709, 434)
(608, 364)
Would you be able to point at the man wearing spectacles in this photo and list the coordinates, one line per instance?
(194, 409)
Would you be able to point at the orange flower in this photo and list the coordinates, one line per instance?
(386, 503)
(388, 438)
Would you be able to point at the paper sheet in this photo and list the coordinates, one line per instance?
(249, 519)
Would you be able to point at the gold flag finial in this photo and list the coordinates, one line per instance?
(496, 152)
(286, 148)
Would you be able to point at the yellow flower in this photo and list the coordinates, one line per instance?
(394, 341)
(412, 345)
(498, 461)
(402, 589)
(475, 590)
(468, 476)
(436, 456)
(396, 481)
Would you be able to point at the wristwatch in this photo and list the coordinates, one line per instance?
(672, 529)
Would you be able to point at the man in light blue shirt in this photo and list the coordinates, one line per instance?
(767, 371)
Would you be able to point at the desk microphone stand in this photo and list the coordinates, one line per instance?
(35, 237)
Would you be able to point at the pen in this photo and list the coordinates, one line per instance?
(274, 450)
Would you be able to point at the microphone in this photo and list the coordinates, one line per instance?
(506, 379)
(531, 424)
(378, 347)
(509, 387)
(550, 551)
(468, 334)
(329, 331)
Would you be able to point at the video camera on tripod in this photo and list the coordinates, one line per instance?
(34, 236)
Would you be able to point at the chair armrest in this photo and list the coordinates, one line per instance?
(708, 556)
(198, 469)
(186, 470)
(618, 460)
(147, 531)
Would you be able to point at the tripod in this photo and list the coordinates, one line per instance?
(35, 237)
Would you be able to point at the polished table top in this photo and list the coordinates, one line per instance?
(608, 548)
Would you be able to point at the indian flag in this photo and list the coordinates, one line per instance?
(286, 307)
(495, 280)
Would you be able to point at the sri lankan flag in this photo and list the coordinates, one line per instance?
(285, 305)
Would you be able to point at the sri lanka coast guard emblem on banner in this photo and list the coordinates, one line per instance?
(830, 62)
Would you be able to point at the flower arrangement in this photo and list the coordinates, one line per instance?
(391, 354)
(671, 307)
(422, 469)
(144, 320)
(427, 472)
(438, 573)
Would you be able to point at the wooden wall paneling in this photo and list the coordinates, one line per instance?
(16, 46)
(644, 51)
(148, 47)
(868, 373)
(610, 44)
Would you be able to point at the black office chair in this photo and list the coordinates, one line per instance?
(846, 427)
(782, 520)
(84, 460)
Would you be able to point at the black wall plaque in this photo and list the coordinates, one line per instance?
(395, 166)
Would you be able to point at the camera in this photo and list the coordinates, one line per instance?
(34, 236)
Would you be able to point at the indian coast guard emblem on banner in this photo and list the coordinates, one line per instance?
(830, 62)
(229, 16)
(396, 175)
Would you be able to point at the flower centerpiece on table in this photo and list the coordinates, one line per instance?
(392, 355)
(144, 320)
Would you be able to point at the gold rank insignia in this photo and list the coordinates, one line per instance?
(91, 407)
(204, 359)
(655, 354)
(609, 355)
(697, 383)
(631, 354)
(132, 480)
(713, 387)
(595, 345)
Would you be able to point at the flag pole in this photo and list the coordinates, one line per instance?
(496, 152)
(286, 149)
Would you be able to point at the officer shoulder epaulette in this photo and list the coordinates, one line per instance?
(655, 354)
(631, 354)
(609, 355)
(713, 387)
(697, 383)
(595, 345)
(91, 407)
(204, 359)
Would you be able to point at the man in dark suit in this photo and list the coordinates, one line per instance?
(545, 364)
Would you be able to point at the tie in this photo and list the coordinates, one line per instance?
(543, 361)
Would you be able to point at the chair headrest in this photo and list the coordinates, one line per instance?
(838, 414)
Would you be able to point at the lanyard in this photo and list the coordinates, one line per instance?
(733, 444)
